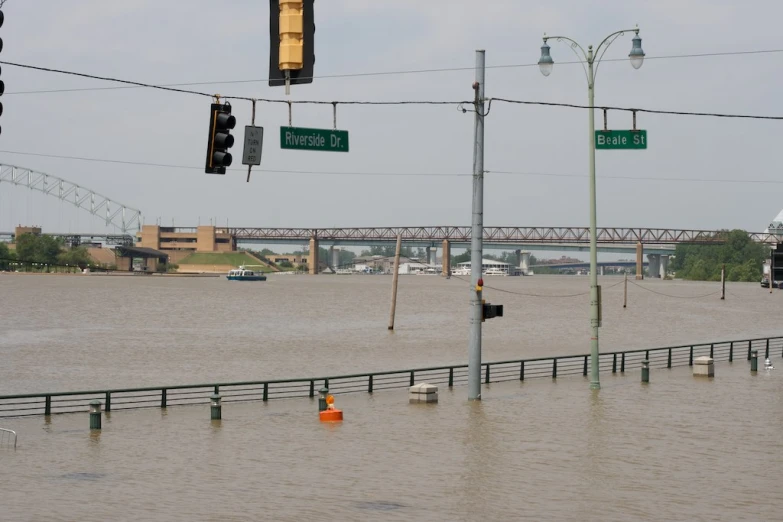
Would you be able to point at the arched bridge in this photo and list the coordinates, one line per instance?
(123, 217)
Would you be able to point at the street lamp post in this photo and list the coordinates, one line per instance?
(546, 63)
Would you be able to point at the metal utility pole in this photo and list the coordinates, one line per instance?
(477, 235)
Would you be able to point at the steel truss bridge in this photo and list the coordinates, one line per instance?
(122, 217)
(496, 235)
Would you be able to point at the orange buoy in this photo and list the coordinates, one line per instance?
(331, 415)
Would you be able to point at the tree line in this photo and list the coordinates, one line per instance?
(44, 250)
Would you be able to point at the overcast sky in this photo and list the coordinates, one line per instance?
(179, 41)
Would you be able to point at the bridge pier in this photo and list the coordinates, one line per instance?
(523, 262)
(334, 256)
(654, 264)
(664, 266)
(639, 261)
(312, 259)
(446, 258)
(432, 255)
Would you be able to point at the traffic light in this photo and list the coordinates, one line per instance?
(490, 311)
(291, 41)
(2, 84)
(220, 139)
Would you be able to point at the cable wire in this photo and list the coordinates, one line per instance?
(404, 102)
(398, 174)
(675, 296)
(401, 72)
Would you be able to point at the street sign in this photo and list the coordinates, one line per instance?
(620, 139)
(254, 141)
(313, 139)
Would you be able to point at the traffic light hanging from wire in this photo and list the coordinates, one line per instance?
(291, 42)
(220, 139)
(2, 83)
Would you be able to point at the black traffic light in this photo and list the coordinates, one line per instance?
(2, 84)
(299, 72)
(220, 139)
(490, 311)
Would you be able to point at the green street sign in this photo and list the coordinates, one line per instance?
(620, 139)
(313, 139)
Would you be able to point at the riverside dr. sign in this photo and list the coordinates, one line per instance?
(313, 139)
(624, 139)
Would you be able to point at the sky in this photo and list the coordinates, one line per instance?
(182, 41)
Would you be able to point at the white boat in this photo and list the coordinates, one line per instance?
(244, 274)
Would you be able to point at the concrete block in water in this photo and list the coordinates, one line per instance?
(423, 393)
(704, 367)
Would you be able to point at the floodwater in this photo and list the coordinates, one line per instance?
(680, 448)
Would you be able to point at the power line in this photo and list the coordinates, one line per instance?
(402, 174)
(379, 73)
(628, 109)
(404, 102)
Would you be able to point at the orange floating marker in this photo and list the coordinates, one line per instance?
(330, 414)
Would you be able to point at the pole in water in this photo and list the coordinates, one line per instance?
(723, 282)
(395, 276)
(645, 371)
(625, 291)
(477, 235)
(95, 415)
(216, 408)
(754, 361)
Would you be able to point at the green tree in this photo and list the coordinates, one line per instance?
(5, 256)
(742, 257)
(75, 257)
(38, 249)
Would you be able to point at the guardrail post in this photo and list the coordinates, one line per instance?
(266, 391)
(584, 368)
(731, 352)
(451, 377)
(412, 378)
(750, 346)
(554, 368)
(486, 375)
(369, 384)
(163, 398)
(48, 405)
(326, 383)
(108, 402)
(614, 363)
(622, 363)
(669, 359)
(766, 352)
(647, 355)
(312, 388)
(522, 371)
(690, 358)
(217, 389)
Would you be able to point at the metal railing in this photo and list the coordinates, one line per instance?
(499, 371)
(6, 436)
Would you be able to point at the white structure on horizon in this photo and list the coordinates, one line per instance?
(776, 227)
(489, 267)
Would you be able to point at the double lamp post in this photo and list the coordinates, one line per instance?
(546, 64)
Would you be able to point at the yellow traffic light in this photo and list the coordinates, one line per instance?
(291, 35)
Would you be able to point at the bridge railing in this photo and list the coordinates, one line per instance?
(518, 369)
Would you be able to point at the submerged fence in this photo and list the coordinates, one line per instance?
(521, 369)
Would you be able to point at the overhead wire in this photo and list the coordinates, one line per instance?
(399, 72)
(458, 103)
(398, 174)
